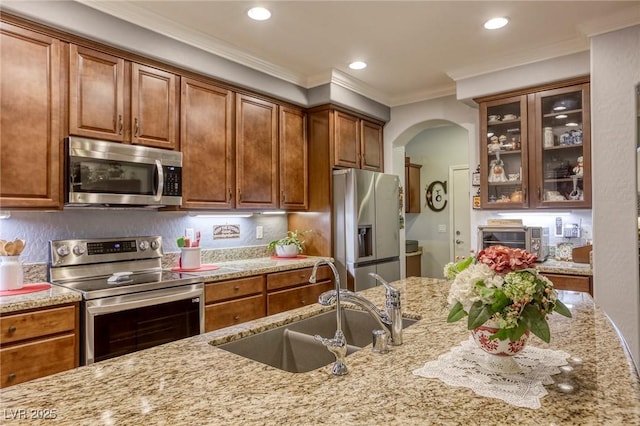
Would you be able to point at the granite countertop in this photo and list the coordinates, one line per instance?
(40, 299)
(192, 382)
(563, 267)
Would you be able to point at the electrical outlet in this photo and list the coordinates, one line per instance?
(188, 233)
(442, 228)
(259, 232)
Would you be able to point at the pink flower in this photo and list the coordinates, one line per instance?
(506, 259)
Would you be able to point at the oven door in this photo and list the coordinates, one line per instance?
(118, 325)
(509, 237)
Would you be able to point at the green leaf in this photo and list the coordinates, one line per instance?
(464, 264)
(479, 314)
(536, 322)
(562, 309)
(456, 313)
(501, 300)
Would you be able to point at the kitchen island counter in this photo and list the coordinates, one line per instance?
(191, 382)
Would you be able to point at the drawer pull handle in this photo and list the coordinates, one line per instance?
(304, 302)
(11, 377)
(236, 287)
(12, 329)
(236, 318)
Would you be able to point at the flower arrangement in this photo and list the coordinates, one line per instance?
(500, 284)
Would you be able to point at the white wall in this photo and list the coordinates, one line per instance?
(435, 149)
(615, 71)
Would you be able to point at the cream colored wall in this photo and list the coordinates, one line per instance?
(615, 71)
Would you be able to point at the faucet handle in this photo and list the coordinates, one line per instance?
(391, 290)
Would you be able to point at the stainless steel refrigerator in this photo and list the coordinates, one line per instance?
(366, 227)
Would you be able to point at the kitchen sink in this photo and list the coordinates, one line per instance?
(293, 348)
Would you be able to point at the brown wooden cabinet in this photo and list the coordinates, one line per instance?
(412, 185)
(207, 145)
(293, 167)
(291, 289)
(357, 143)
(31, 103)
(535, 148)
(233, 302)
(571, 282)
(413, 263)
(38, 343)
(256, 153)
(114, 99)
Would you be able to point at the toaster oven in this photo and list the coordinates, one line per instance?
(534, 239)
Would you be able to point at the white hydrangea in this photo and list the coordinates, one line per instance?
(463, 288)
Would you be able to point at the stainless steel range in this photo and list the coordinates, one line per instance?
(129, 302)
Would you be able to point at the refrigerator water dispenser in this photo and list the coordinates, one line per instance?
(365, 241)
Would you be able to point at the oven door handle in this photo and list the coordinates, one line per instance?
(158, 196)
(140, 301)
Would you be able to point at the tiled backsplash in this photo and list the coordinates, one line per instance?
(38, 228)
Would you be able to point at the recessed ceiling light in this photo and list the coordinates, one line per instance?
(357, 65)
(561, 116)
(495, 23)
(259, 13)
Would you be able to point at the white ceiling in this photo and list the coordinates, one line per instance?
(415, 50)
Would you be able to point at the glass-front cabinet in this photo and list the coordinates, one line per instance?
(535, 148)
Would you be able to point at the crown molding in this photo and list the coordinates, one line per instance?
(343, 79)
(133, 14)
(425, 95)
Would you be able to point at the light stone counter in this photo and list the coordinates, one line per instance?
(190, 382)
(40, 299)
(563, 267)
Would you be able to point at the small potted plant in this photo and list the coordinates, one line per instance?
(289, 246)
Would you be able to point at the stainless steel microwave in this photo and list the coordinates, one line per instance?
(534, 239)
(115, 174)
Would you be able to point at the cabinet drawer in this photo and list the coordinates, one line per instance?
(28, 361)
(285, 300)
(570, 282)
(224, 290)
(296, 277)
(224, 314)
(35, 324)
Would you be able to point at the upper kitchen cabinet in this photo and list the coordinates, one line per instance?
(294, 176)
(206, 127)
(31, 117)
(114, 99)
(504, 160)
(256, 153)
(563, 148)
(535, 149)
(357, 143)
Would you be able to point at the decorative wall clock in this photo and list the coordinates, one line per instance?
(436, 193)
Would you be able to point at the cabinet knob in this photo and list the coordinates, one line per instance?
(304, 302)
(136, 127)
(120, 125)
(236, 288)
(236, 318)
(11, 377)
(12, 329)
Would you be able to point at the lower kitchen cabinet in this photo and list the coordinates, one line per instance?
(236, 301)
(414, 264)
(291, 289)
(38, 343)
(233, 302)
(571, 282)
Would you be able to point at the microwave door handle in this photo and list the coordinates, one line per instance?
(158, 195)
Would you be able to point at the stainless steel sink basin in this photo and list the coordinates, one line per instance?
(293, 347)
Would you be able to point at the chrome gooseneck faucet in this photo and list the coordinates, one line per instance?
(337, 345)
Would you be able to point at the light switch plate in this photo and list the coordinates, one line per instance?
(188, 233)
(442, 228)
(259, 232)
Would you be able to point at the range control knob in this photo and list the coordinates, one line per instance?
(155, 245)
(63, 251)
(78, 250)
(143, 245)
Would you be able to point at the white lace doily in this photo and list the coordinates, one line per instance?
(469, 366)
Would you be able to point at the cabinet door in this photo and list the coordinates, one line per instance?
(562, 174)
(346, 140)
(30, 119)
(294, 174)
(256, 153)
(412, 182)
(96, 94)
(504, 157)
(280, 301)
(207, 145)
(371, 146)
(154, 107)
